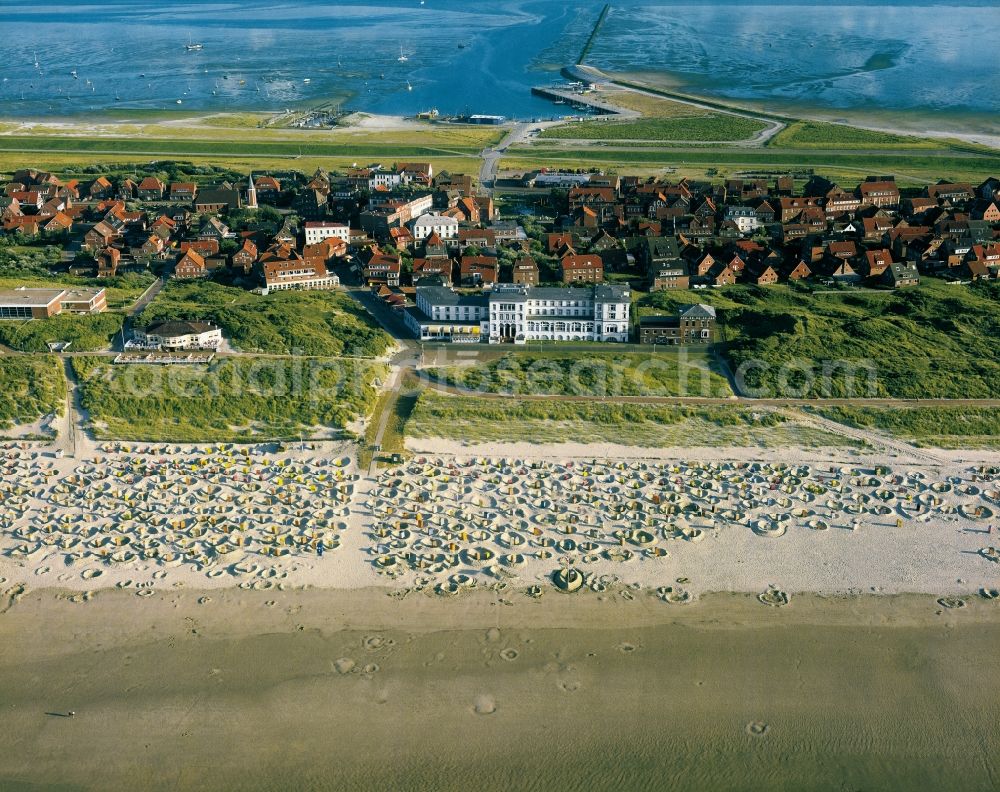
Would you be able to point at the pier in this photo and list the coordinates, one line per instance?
(583, 101)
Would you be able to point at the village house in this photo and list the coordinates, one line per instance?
(318, 230)
(882, 193)
(433, 267)
(380, 268)
(900, 274)
(190, 265)
(524, 271)
(878, 262)
(100, 189)
(444, 227)
(107, 262)
(796, 270)
(670, 274)
(183, 192)
(268, 189)
(693, 324)
(176, 335)
(587, 268)
(478, 270)
(246, 257)
(150, 189)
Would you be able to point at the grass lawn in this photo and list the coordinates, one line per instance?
(242, 128)
(363, 146)
(929, 164)
(704, 128)
(480, 421)
(69, 163)
(290, 322)
(940, 427)
(230, 400)
(932, 341)
(602, 373)
(650, 106)
(816, 134)
(30, 387)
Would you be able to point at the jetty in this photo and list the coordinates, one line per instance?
(577, 97)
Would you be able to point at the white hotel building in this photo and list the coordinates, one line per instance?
(317, 231)
(444, 227)
(515, 313)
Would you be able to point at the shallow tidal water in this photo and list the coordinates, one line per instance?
(322, 689)
(894, 56)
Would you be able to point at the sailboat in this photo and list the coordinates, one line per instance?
(402, 58)
(191, 45)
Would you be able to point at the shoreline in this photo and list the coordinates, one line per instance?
(356, 690)
(672, 89)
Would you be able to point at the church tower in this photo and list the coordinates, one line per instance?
(251, 195)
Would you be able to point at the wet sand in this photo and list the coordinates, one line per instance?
(356, 689)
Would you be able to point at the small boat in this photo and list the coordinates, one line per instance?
(307, 80)
(180, 101)
(402, 57)
(462, 45)
(74, 75)
(408, 86)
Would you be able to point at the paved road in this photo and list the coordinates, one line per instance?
(517, 134)
(146, 297)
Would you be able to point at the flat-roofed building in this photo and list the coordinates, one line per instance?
(25, 303)
(30, 303)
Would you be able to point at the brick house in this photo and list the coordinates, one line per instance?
(525, 271)
(190, 265)
(587, 268)
(150, 189)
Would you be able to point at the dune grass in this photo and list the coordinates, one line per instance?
(933, 341)
(602, 373)
(87, 333)
(473, 420)
(289, 322)
(231, 400)
(816, 134)
(30, 387)
(703, 128)
(938, 426)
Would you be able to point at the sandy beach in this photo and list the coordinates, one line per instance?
(720, 637)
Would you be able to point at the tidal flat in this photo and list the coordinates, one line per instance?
(356, 689)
